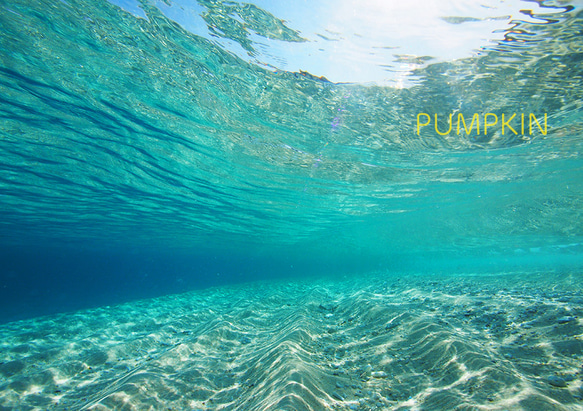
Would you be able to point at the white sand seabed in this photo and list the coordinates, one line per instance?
(377, 342)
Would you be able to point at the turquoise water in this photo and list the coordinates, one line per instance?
(135, 135)
(330, 205)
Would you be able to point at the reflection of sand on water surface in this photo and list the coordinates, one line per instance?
(431, 343)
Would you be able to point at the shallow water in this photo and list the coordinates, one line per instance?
(431, 342)
(149, 149)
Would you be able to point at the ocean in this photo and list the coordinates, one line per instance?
(218, 205)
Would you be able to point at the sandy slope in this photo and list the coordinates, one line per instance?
(500, 342)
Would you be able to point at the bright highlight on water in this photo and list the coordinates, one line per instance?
(219, 205)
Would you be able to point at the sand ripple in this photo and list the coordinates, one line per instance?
(377, 342)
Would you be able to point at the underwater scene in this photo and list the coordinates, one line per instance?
(291, 205)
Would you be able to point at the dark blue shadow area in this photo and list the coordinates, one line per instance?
(42, 281)
(36, 282)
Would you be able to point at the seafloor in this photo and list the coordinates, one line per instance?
(414, 342)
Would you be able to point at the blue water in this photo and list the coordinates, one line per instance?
(149, 148)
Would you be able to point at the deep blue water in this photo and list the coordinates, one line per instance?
(145, 152)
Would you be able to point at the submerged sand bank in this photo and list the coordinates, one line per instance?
(429, 342)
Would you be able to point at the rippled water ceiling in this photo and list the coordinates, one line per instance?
(190, 123)
(370, 41)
